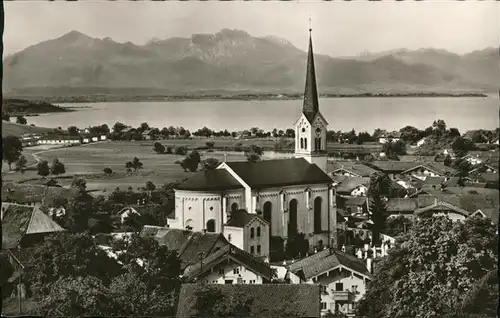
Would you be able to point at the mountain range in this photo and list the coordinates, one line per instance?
(233, 60)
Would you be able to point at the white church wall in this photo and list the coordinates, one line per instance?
(235, 236)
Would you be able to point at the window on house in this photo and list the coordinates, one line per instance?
(339, 287)
(236, 271)
(221, 271)
(354, 288)
(258, 249)
(229, 237)
(258, 231)
(252, 232)
(252, 250)
(323, 306)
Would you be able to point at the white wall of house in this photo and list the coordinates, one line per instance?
(232, 273)
(234, 235)
(347, 280)
(384, 140)
(359, 191)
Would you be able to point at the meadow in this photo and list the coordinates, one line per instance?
(90, 160)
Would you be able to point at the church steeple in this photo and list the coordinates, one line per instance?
(311, 105)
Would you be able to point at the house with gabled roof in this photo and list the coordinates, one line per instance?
(353, 186)
(268, 300)
(350, 169)
(428, 169)
(401, 206)
(25, 225)
(342, 277)
(393, 136)
(293, 195)
(190, 245)
(230, 265)
(249, 232)
(442, 208)
(490, 213)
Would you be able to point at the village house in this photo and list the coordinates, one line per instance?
(428, 169)
(249, 232)
(353, 186)
(148, 134)
(127, 212)
(342, 277)
(190, 245)
(389, 137)
(350, 169)
(268, 300)
(230, 265)
(292, 195)
(396, 207)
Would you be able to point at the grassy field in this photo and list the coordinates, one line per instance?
(89, 161)
(13, 129)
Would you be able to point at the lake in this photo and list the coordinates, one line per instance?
(362, 114)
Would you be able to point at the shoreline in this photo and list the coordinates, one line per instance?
(239, 97)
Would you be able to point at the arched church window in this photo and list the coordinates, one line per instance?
(319, 143)
(252, 232)
(258, 231)
(305, 143)
(301, 143)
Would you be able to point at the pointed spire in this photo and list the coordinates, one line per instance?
(311, 105)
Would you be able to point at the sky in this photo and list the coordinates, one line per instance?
(339, 28)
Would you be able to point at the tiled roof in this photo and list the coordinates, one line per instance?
(188, 244)
(401, 205)
(301, 300)
(229, 251)
(440, 205)
(337, 178)
(353, 167)
(392, 166)
(324, 261)
(21, 220)
(434, 166)
(434, 180)
(350, 184)
(218, 179)
(280, 172)
(241, 218)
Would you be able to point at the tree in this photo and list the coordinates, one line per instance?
(143, 127)
(439, 127)
(290, 133)
(77, 296)
(432, 268)
(297, 245)
(150, 186)
(191, 162)
(11, 149)
(21, 164)
(252, 157)
(21, 120)
(67, 255)
(107, 171)
(378, 216)
(73, 130)
(57, 167)
(5, 116)
(159, 148)
(118, 127)
(80, 206)
(210, 144)
(181, 150)
(396, 226)
(411, 134)
(462, 146)
(43, 168)
(135, 164)
(210, 164)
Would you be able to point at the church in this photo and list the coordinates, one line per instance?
(292, 195)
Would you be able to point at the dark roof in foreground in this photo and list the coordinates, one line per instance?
(187, 243)
(327, 260)
(280, 172)
(210, 180)
(20, 220)
(269, 300)
(237, 255)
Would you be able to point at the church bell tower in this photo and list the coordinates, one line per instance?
(311, 126)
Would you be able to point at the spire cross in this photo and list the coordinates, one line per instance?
(310, 29)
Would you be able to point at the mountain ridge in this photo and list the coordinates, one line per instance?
(233, 59)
